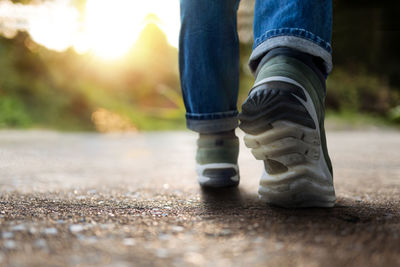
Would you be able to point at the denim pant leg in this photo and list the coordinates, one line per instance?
(209, 64)
(304, 25)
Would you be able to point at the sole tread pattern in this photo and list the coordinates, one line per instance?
(218, 175)
(296, 174)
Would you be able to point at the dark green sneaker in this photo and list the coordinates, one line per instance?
(283, 118)
(216, 160)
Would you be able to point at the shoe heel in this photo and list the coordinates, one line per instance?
(296, 174)
(218, 175)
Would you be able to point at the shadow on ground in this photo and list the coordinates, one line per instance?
(353, 232)
(346, 209)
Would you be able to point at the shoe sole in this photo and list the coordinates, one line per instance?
(218, 175)
(298, 174)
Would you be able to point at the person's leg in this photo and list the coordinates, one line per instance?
(283, 116)
(304, 25)
(209, 72)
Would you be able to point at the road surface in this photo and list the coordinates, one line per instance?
(86, 199)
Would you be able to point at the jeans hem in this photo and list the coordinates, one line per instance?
(212, 125)
(306, 42)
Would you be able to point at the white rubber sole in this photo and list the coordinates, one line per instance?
(304, 179)
(212, 182)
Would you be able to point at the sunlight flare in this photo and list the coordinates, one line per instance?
(107, 28)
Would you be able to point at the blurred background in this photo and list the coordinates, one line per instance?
(112, 65)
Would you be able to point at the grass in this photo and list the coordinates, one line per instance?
(350, 120)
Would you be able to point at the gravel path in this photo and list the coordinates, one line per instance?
(123, 200)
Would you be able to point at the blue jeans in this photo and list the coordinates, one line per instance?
(209, 51)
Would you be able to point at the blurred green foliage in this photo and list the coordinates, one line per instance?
(13, 113)
(43, 88)
(366, 76)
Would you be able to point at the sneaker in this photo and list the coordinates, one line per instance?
(283, 118)
(216, 160)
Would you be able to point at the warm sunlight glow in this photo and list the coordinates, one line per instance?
(112, 27)
(56, 28)
(108, 28)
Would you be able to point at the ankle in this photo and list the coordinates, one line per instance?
(312, 62)
(220, 135)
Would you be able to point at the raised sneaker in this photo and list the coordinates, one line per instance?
(283, 118)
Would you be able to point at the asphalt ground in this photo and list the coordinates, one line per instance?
(86, 199)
